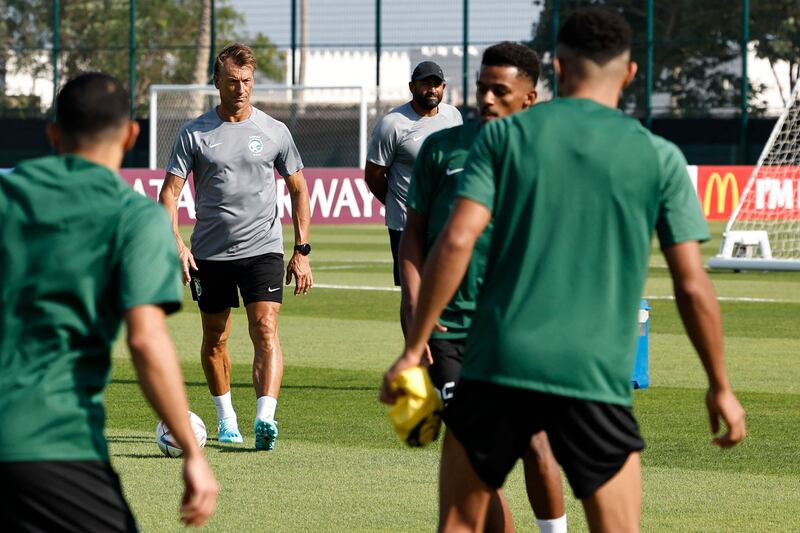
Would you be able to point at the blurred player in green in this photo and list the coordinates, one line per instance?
(81, 253)
(575, 190)
(506, 84)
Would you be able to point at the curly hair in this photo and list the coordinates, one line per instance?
(597, 34)
(508, 54)
(241, 54)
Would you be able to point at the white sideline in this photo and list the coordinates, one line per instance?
(650, 297)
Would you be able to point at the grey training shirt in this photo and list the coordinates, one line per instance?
(395, 144)
(234, 181)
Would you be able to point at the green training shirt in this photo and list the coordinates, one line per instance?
(80, 248)
(575, 189)
(432, 193)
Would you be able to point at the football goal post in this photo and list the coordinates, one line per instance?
(763, 232)
(328, 124)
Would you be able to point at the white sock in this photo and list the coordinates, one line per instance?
(553, 525)
(265, 408)
(224, 406)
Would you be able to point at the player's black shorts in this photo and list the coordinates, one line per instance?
(590, 440)
(44, 496)
(259, 279)
(394, 243)
(448, 356)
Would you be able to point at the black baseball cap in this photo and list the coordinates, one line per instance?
(427, 69)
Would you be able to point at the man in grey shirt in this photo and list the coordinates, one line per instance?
(396, 142)
(237, 242)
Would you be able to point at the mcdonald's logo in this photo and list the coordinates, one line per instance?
(722, 185)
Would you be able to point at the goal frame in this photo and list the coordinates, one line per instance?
(210, 90)
(750, 241)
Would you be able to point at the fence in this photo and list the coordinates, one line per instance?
(716, 58)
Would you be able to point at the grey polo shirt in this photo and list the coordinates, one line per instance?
(395, 144)
(235, 192)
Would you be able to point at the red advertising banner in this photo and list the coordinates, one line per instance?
(340, 195)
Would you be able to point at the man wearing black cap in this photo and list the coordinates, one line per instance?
(396, 141)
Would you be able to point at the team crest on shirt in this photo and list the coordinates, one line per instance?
(255, 144)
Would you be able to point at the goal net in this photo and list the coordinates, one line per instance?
(328, 124)
(763, 232)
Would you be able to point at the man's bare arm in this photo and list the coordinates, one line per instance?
(412, 259)
(444, 269)
(301, 218)
(168, 197)
(161, 380)
(700, 312)
(375, 176)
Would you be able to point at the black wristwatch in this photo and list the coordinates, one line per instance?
(303, 249)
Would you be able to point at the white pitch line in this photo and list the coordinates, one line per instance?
(731, 299)
(650, 297)
(357, 287)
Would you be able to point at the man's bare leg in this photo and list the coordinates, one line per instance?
(214, 351)
(617, 505)
(463, 496)
(498, 515)
(543, 479)
(267, 357)
(267, 369)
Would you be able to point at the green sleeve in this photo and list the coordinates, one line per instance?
(420, 188)
(149, 267)
(477, 182)
(680, 217)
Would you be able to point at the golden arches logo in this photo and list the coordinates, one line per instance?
(722, 185)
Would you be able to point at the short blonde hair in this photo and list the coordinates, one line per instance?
(241, 54)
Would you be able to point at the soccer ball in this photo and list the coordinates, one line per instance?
(166, 442)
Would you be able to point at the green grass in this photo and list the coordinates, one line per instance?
(338, 467)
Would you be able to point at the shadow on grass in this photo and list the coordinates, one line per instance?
(249, 386)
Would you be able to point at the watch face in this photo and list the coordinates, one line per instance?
(304, 249)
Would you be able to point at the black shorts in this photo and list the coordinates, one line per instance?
(259, 279)
(394, 243)
(590, 440)
(448, 356)
(62, 496)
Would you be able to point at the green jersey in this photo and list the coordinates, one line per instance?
(432, 193)
(80, 248)
(575, 189)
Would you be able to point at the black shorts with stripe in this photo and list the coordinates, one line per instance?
(590, 440)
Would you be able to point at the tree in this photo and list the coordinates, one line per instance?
(94, 35)
(695, 57)
(775, 31)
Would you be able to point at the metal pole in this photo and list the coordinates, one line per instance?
(211, 57)
(465, 58)
(555, 23)
(744, 85)
(648, 95)
(132, 57)
(378, 46)
(56, 22)
(294, 41)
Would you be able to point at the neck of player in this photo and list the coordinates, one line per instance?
(234, 115)
(422, 111)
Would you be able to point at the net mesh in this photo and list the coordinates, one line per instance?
(771, 199)
(325, 122)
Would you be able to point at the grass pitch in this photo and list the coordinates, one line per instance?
(338, 467)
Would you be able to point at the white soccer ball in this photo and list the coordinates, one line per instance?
(166, 442)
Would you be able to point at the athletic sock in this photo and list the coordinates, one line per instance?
(553, 525)
(265, 408)
(224, 406)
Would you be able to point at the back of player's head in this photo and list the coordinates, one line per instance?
(241, 55)
(508, 54)
(596, 34)
(90, 105)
